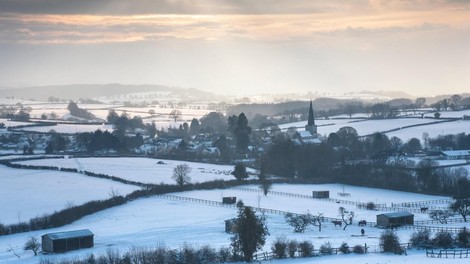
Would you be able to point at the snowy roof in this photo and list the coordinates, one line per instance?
(452, 153)
(397, 214)
(304, 134)
(70, 234)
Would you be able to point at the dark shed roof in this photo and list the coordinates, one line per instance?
(69, 234)
(397, 214)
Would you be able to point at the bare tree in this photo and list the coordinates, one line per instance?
(176, 114)
(181, 174)
(462, 207)
(32, 244)
(346, 216)
(440, 215)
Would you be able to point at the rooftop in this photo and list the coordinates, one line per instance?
(69, 234)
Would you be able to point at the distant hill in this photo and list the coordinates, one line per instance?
(77, 91)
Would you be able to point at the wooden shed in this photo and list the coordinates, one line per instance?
(395, 219)
(66, 241)
(321, 194)
(229, 200)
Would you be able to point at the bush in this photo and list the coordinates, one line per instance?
(279, 247)
(306, 248)
(358, 249)
(344, 248)
(443, 239)
(463, 238)
(224, 254)
(421, 239)
(326, 249)
(370, 206)
(292, 247)
(206, 255)
(390, 243)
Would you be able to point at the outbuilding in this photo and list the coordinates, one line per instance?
(66, 241)
(321, 194)
(395, 219)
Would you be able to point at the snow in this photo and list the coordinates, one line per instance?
(434, 130)
(29, 193)
(364, 127)
(157, 221)
(143, 170)
(450, 114)
(314, 206)
(9, 123)
(69, 128)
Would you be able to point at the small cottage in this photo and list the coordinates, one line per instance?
(66, 241)
(395, 219)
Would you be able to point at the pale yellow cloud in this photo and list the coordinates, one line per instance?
(383, 16)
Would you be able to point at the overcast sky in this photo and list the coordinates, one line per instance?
(421, 47)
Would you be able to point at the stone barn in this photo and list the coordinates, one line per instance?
(66, 241)
(395, 219)
(321, 194)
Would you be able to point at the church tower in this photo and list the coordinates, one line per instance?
(311, 127)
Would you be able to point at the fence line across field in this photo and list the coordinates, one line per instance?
(448, 253)
(378, 207)
(420, 224)
(323, 219)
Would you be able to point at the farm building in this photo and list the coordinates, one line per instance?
(456, 154)
(395, 219)
(66, 241)
(321, 194)
(229, 200)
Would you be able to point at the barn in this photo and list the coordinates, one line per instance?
(395, 219)
(66, 241)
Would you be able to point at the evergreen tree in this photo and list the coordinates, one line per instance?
(240, 172)
(250, 234)
(194, 127)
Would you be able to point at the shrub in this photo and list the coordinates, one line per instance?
(224, 254)
(344, 248)
(206, 255)
(463, 238)
(292, 247)
(306, 248)
(421, 239)
(390, 243)
(443, 239)
(370, 206)
(326, 249)
(279, 247)
(358, 249)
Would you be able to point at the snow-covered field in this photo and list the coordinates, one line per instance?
(157, 221)
(365, 127)
(434, 130)
(154, 221)
(314, 206)
(69, 128)
(143, 170)
(25, 194)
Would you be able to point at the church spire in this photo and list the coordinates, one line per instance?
(311, 127)
(311, 118)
